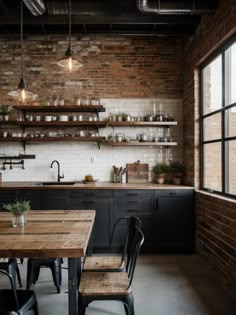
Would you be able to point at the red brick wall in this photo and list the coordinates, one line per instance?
(216, 217)
(114, 67)
(216, 235)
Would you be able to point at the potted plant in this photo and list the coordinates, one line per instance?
(161, 169)
(4, 112)
(177, 170)
(19, 209)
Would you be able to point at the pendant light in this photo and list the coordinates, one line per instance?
(68, 62)
(21, 93)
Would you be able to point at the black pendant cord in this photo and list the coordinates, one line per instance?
(69, 23)
(21, 41)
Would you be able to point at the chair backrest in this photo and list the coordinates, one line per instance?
(16, 306)
(134, 252)
(132, 222)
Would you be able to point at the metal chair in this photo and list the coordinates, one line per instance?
(33, 270)
(17, 302)
(115, 263)
(111, 285)
(12, 268)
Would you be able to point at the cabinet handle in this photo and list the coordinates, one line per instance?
(89, 195)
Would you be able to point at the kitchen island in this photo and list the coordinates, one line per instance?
(166, 211)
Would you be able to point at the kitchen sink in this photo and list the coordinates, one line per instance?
(53, 183)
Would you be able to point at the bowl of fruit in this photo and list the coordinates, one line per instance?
(89, 179)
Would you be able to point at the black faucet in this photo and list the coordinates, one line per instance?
(58, 171)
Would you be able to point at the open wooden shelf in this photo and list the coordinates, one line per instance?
(55, 123)
(41, 139)
(141, 123)
(65, 108)
(139, 144)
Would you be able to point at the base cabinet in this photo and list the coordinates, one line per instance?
(174, 221)
(101, 201)
(167, 215)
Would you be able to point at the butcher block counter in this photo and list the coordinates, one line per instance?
(166, 211)
(81, 185)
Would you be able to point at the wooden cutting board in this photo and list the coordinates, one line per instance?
(137, 173)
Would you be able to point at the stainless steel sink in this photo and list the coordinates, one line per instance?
(53, 183)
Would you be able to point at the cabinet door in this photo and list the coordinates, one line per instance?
(7, 196)
(102, 203)
(174, 221)
(134, 203)
(34, 196)
(55, 200)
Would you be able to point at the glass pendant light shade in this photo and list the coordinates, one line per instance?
(21, 94)
(68, 62)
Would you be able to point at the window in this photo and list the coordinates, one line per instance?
(218, 122)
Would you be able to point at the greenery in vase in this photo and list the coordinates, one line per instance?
(18, 207)
(5, 109)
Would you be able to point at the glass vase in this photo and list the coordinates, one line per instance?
(19, 220)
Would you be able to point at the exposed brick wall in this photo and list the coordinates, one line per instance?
(216, 217)
(216, 235)
(114, 67)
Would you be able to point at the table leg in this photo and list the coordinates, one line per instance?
(73, 271)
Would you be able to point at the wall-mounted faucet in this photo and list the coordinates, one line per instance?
(58, 170)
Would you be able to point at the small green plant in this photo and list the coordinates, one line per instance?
(161, 168)
(5, 109)
(177, 167)
(18, 207)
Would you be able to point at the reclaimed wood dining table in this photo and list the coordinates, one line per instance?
(50, 233)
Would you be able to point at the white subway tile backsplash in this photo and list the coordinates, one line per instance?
(79, 159)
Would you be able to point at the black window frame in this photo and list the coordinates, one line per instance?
(223, 140)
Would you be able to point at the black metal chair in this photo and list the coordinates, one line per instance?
(111, 285)
(16, 302)
(113, 262)
(33, 270)
(12, 268)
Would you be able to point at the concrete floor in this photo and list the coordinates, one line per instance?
(163, 285)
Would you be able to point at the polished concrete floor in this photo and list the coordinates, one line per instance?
(163, 285)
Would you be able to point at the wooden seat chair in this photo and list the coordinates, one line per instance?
(14, 301)
(33, 270)
(115, 263)
(111, 285)
(12, 268)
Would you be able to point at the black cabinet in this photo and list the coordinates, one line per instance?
(138, 203)
(55, 199)
(174, 221)
(34, 196)
(101, 201)
(7, 196)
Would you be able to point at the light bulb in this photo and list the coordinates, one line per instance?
(70, 63)
(22, 94)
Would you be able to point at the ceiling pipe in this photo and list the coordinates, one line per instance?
(36, 7)
(179, 7)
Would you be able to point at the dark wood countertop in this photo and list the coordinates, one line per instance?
(97, 185)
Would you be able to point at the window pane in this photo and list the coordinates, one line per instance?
(212, 166)
(212, 127)
(230, 122)
(231, 173)
(230, 78)
(212, 86)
